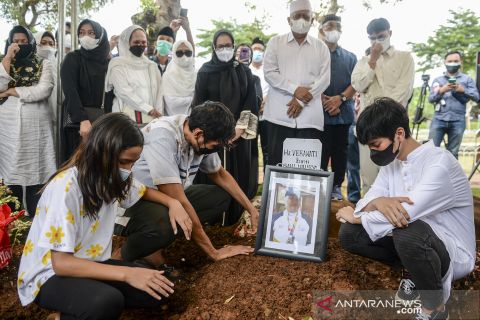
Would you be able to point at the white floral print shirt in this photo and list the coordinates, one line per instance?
(60, 224)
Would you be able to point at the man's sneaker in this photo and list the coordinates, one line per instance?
(406, 292)
(435, 315)
(337, 193)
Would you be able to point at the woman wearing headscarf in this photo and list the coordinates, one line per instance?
(83, 81)
(178, 82)
(46, 49)
(26, 133)
(135, 80)
(226, 80)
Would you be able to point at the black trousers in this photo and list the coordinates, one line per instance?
(334, 148)
(83, 298)
(71, 142)
(417, 248)
(31, 195)
(277, 135)
(149, 228)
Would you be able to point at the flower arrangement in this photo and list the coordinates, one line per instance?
(9, 223)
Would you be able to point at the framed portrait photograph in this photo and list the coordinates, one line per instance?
(294, 213)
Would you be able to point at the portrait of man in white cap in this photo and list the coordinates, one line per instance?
(290, 227)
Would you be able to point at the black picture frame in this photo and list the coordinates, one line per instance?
(278, 179)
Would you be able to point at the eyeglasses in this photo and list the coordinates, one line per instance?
(182, 53)
(380, 37)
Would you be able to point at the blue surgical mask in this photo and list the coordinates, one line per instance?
(257, 56)
(163, 47)
(124, 174)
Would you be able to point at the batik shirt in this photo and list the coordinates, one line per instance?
(60, 224)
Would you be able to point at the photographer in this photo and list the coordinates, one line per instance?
(450, 94)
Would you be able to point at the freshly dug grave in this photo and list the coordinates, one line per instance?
(244, 287)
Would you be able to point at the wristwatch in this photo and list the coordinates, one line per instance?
(344, 98)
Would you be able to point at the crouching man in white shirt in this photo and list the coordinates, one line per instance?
(418, 215)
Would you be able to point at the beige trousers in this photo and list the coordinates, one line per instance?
(368, 169)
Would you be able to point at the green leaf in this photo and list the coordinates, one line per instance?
(460, 33)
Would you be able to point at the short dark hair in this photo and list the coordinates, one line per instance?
(453, 52)
(258, 40)
(378, 25)
(381, 119)
(166, 31)
(215, 120)
(330, 17)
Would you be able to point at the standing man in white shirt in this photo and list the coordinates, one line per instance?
(384, 72)
(258, 53)
(417, 215)
(297, 68)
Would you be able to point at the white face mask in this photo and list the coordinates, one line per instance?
(300, 26)
(385, 43)
(88, 43)
(46, 52)
(67, 41)
(184, 62)
(332, 36)
(124, 174)
(224, 54)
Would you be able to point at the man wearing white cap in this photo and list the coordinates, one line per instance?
(290, 227)
(297, 68)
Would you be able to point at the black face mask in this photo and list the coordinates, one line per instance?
(25, 51)
(206, 151)
(137, 50)
(384, 157)
(452, 69)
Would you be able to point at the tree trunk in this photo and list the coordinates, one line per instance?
(168, 10)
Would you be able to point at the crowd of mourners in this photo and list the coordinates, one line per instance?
(153, 149)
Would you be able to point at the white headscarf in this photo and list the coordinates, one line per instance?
(126, 58)
(48, 53)
(179, 81)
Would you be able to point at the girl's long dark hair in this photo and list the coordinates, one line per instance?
(97, 160)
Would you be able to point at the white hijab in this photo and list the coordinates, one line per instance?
(128, 59)
(179, 81)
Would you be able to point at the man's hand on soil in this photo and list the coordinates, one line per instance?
(230, 251)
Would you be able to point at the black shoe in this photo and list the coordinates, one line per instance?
(435, 315)
(406, 292)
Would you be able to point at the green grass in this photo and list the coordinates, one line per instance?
(476, 192)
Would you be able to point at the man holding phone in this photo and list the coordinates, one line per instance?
(450, 94)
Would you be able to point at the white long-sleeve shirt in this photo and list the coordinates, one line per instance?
(433, 179)
(137, 87)
(288, 65)
(392, 77)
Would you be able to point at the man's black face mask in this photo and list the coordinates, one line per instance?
(384, 157)
(205, 150)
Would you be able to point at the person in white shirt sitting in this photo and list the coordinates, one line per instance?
(418, 214)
